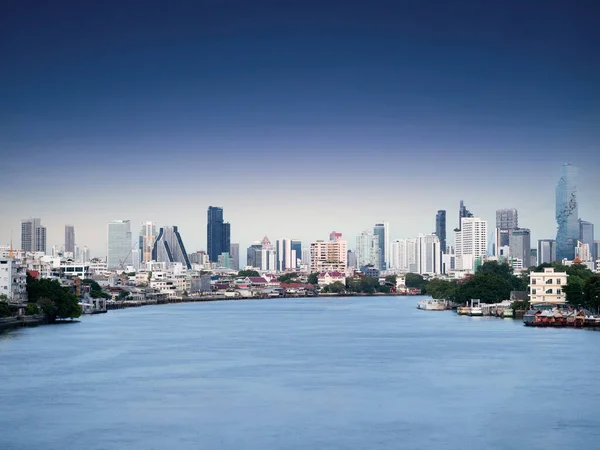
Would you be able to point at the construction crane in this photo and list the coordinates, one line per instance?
(124, 260)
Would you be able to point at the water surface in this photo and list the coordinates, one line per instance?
(358, 373)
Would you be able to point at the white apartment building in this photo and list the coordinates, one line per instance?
(471, 243)
(368, 251)
(329, 256)
(429, 255)
(546, 286)
(13, 281)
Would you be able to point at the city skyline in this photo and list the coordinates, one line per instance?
(405, 109)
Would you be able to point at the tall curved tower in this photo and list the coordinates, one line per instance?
(567, 214)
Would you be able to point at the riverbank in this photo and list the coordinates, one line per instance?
(9, 323)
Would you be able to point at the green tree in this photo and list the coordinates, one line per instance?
(4, 307)
(441, 289)
(415, 281)
(313, 278)
(287, 277)
(574, 290)
(248, 273)
(55, 301)
(95, 289)
(591, 293)
(336, 288)
(487, 287)
(391, 279)
(32, 309)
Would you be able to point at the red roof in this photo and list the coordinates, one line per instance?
(33, 273)
(257, 280)
(331, 274)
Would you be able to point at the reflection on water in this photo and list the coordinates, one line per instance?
(359, 373)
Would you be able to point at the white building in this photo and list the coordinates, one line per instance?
(471, 243)
(429, 257)
(546, 286)
(368, 251)
(13, 281)
(326, 278)
(329, 256)
(119, 244)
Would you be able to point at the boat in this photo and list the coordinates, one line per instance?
(463, 310)
(431, 305)
(508, 313)
(474, 309)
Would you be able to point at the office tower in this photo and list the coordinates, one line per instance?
(586, 236)
(351, 259)
(199, 257)
(462, 213)
(285, 256)
(306, 257)
(296, 252)
(520, 245)
(404, 255)
(169, 247)
(119, 245)
(429, 255)
(470, 243)
(234, 256)
(85, 255)
(567, 213)
(507, 219)
(440, 228)
(383, 234)
(70, 239)
(329, 256)
(33, 236)
(146, 241)
(217, 233)
(546, 251)
(367, 250)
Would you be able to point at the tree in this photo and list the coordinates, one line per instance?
(55, 301)
(391, 279)
(4, 307)
(487, 287)
(95, 289)
(287, 277)
(591, 293)
(248, 273)
(415, 281)
(336, 288)
(313, 278)
(574, 290)
(441, 289)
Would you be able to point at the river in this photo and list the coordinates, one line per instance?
(327, 373)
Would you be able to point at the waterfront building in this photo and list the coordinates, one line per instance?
(13, 280)
(440, 228)
(367, 250)
(507, 219)
(234, 256)
(70, 239)
(119, 244)
(463, 212)
(567, 213)
(520, 245)
(33, 236)
(326, 278)
(546, 286)
(586, 236)
(217, 233)
(146, 240)
(169, 247)
(546, 251)
(470, 243)
(329, 256)
(381, 230)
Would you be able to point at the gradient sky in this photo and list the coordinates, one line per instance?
(298, 118)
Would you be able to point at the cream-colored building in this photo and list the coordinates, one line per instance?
(329, 256)
(546, 286)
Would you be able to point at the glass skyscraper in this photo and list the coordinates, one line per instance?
(440, 228)
(217, 234)
(567, 214)
(119, 244)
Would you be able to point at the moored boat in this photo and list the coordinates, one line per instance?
(431, 305)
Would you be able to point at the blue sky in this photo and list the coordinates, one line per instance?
(296, 118)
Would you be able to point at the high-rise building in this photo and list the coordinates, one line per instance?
(383, 234)
(33, 236)
(169, 247)
(329, 256)
(586, 236)
(429, 255)
(567, 214)
(70, 239)
(146, 241)
(546, 251)
(286, 256)
(234, 256)
(462, 213)
(404, 255)
(306, 257)
(440, 228)
(85, 255)
(217, 233)
(470, 243)
(507, 219)
(351, 259)
(367, 250)
(119, 245)
(296, 252)
(520, 245)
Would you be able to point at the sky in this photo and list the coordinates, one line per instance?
(298, 118)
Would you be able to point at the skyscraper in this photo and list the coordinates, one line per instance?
(440, 228)
(520, 245)
(462, 213)
(586, 236)
(471, 243)
(285, 258)
(70, 239)
(146, 240)
(367, 250)
(429, 256)
(169, 247)
(119, 245)
(507, 219)
(546, 251)
(296, 252)
(33, 236)
(253, 255)
(330, 256)
(217, 233)
(234, 257)
(567, 213)
(382, 232)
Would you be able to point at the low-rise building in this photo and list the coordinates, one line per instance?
(13, 281)
(546, 286)
(326, 278)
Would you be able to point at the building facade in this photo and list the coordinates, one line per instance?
(520, 245)
(368, 251)
(329, 256)
(234, 256)
(217, 233)
(13, 281)
(507, 219)
(119, 244)
(463, 212)
(567, 213)
(440, 228)
(169, 247)
(70, 239)
(146, 240)
(586, 236)
(297, 249)
(381, 230)
(546, 251)
(546, 286)
(470, 243)
(33, 236)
